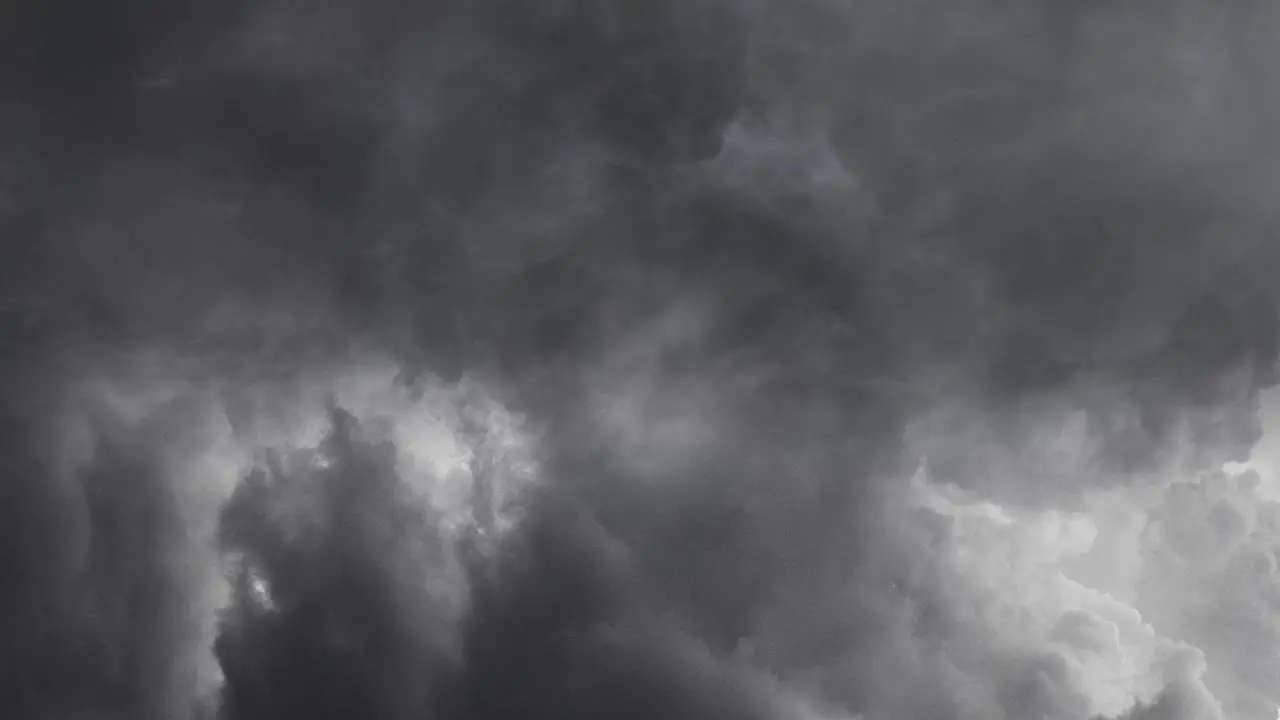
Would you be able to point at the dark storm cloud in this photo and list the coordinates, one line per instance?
(101, 619)
(739, 261)
(342, 624)
(344, 634)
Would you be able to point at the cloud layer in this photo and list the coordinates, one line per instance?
(728, 358)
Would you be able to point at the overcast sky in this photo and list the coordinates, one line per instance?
(777, 359)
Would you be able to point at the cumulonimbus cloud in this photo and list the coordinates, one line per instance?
(730, 358)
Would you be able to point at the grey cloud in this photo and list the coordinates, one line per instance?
(743, 265)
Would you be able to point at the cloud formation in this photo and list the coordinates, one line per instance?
(728, 358)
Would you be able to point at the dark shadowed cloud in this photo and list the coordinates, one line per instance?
(717, 358)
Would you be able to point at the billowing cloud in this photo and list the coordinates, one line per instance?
(728, 358)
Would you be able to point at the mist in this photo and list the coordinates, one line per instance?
(806, 360)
